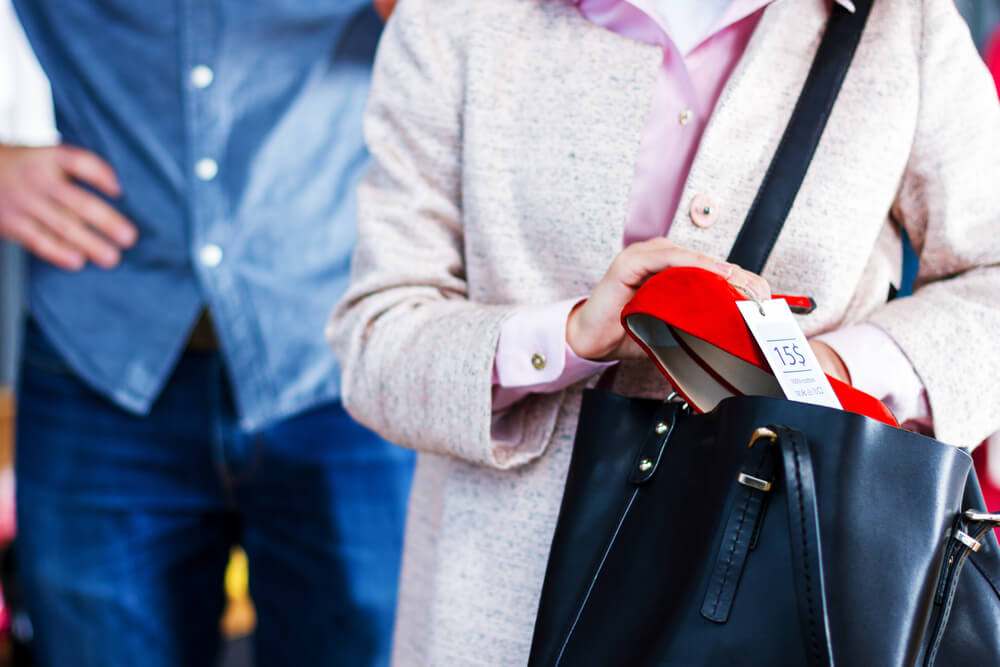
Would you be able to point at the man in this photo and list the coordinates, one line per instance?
(25, 119)
(189, 238)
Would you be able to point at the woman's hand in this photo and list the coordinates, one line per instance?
(830, 361)
(593, 328)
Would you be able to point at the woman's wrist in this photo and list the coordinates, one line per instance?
(830, 361)
(577, 335)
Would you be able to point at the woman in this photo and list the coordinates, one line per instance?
(519, 145)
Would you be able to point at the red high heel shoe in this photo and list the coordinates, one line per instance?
(687, 322)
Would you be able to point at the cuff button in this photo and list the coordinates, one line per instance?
(538, 361)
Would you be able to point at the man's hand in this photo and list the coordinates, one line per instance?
(43, 209)
(384, 8)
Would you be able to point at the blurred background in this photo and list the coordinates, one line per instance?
(26, 118)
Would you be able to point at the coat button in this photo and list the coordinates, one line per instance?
(538, 361)
(704, 211)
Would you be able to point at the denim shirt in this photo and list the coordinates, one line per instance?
(235, 131)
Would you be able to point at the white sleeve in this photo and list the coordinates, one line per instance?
(26, 115)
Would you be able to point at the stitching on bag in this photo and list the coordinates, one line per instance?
(805, 557)
(963, 560)
(946, 567)
(739, 531)
(732, 550)
(946, 613)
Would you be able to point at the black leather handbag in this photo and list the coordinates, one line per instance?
(768, 532)
(860, 551)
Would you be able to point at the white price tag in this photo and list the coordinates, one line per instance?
(788, 353)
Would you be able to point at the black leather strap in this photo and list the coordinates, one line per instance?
(739, 538)
(804, 538)
(791, 161)
(651, 452)
(956, 557)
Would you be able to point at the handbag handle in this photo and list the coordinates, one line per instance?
(807, 554)
(804, 538)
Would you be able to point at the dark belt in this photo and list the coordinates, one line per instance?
(202, 338)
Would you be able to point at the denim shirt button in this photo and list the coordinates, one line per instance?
(206, 168)
(202, 76)
(210, 255)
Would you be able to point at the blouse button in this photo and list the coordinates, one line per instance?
(704, 212)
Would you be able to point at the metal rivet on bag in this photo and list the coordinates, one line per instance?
(645, 465)
(661, 428)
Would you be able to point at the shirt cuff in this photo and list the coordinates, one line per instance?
(533, 356)
(877, 366)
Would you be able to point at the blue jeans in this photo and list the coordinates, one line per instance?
(126, 523)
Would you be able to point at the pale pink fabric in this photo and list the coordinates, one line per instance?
(687, 84)
(877, 366)
(537, 330)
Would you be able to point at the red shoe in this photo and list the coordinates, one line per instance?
(687, 321)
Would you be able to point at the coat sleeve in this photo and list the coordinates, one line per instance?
(948, 204)
(417, 354)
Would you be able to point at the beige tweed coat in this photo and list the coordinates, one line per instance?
(504, 136)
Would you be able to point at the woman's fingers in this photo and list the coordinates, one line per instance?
(593, 329)
(640, 261)
(756, 286)
(650, 257)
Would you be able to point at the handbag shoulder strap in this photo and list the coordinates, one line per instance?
(752, 247)
(791, 161)
(806, 545)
